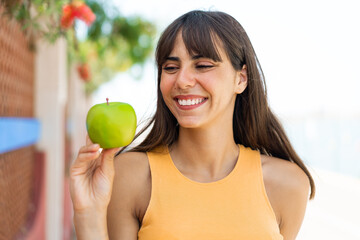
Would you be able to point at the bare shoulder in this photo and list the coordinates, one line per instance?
(284, 174)
(131, 191)
(287, 187)
(131, 164)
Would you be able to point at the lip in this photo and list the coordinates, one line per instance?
(186, 97)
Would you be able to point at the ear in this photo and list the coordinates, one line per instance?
(241, 80)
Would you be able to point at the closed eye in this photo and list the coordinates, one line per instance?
(204, 66)
(170, 68)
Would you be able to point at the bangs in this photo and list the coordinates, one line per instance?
(198, 35)
(199, 38)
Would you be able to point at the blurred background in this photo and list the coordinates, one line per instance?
(58, 58)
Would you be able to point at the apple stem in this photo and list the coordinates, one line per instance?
(107, 100)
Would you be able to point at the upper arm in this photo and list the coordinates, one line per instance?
(288, 189)
(130, 176)
(295, 198)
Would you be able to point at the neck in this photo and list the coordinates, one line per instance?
(206, 151)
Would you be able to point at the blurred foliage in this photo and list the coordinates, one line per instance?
(38, 18)
(113, 43)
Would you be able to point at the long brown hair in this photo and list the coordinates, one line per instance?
(254, 124)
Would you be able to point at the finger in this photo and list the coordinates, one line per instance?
(89, 148)
(86, 158)
(109, 154)
(88, 140)
(82, 164)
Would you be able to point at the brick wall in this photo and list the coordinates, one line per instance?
(16, 100)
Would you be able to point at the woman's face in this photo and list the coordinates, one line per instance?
(199, 91)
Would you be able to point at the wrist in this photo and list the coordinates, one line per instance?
(91, 225)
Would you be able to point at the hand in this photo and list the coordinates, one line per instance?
(92, 176)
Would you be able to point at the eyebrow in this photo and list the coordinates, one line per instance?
(173, 59)
(177, 59)
(196, 57)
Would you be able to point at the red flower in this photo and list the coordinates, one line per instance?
(85, 14)
(76, 9)
(83, 70)
(67, 18)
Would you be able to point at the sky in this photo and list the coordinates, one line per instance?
(309, 51)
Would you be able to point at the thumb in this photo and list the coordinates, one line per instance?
(108, 160)
(109, 154)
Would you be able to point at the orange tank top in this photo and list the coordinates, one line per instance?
(235, 207)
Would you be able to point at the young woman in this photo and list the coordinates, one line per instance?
(216, 164)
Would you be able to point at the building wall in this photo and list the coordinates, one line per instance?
(41, 96)
(16, 101)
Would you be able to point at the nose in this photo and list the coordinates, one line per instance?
(186, 78)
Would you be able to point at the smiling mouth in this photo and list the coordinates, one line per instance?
(190, 102)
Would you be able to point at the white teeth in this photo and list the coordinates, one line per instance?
(190, 102)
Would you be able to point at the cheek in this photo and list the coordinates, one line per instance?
(165, 87)
(211, 85)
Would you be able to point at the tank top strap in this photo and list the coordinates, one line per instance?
(160, 163)
(158, 158)
(249, 161)
(163, 174)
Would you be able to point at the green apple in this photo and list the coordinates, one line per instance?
(111, 124)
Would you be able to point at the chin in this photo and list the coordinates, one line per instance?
(189, 124)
